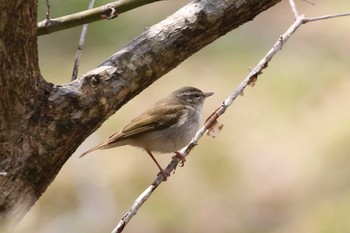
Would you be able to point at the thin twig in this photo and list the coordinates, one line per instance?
(47, 13)
(326, 17)
(249, 80)
(310, 2)
(294, 8)
(48, 10)
(80, 46)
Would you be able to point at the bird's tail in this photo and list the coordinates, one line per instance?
(98, 147)
(111, 142)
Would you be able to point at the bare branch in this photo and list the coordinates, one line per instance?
(48, 11)
(132, 211)
(80, 46)
(249, 80)
(310, 2)
(294, 8)
(306, 20)
(107, 11)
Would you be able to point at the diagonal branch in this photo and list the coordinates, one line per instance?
(212, 120)
(108, 11)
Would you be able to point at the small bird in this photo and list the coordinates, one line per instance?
(167, 126)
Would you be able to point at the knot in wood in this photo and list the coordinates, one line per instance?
(94, 80)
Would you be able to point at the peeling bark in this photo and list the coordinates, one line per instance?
(42, 124)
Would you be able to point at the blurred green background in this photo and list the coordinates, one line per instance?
(281, 163)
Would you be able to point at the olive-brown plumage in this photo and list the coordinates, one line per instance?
(167, 126)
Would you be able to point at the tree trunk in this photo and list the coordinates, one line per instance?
(42, 124)
(22, 92)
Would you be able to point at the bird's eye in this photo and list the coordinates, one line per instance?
(196, 95)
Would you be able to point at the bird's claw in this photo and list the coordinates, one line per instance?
(181, 157)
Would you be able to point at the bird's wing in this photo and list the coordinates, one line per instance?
(158, 118)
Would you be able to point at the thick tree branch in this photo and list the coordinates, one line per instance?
(108, 11)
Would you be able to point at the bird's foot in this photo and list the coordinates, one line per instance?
(181, 157)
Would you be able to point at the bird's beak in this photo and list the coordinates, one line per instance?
(207, 94)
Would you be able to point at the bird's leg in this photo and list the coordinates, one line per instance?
(164, 173)
(182, 158)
